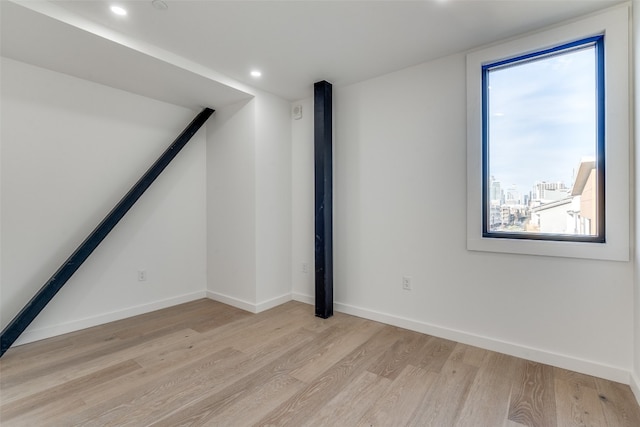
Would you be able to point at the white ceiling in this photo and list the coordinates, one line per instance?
(295, 43)
(37, 39)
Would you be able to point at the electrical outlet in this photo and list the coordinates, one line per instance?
(142, 275)
(406, 283)
(305, 267)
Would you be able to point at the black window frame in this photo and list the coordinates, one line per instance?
(597, 42)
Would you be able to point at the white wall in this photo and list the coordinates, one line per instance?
(249, 204)
(399, 209)
(302, 202)
(231, 204)
(635, 384)
(70, 150)
(273, 201)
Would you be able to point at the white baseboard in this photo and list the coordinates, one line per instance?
(635, 386)
(246, 305)
(232, 301)
(307, 299)
(541, 356)
(273, 302)
(88, 322)
(559, 360)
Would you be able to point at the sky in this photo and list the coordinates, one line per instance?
(542, 119)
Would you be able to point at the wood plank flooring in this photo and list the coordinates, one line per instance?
(205, 363)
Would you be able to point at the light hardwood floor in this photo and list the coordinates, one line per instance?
(205, 363)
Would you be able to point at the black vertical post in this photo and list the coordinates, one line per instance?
(323, 198)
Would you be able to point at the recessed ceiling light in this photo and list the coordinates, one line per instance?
(256, 73)
(118, 10)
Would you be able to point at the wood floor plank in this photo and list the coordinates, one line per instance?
(252, 406)
(174, 321)
(193, 382)
(443, 402)
(580, 407)
(205, 363)
(509, 423)
(574, 378)
(488, 397)
(228, 335)
(245, 406)
(221, 337)
(475, 356)
(295, 410)
(435, 354)
(174, 367)
(123, 332)
(533, 400)
(400, 355)
(402, 399)
(617, 403)
(336, 348)
(58, 393)
(46, 415)
(207, 407)
(273, 328)
(350, 405)
(51, 350)
(18, 386)
(141, 403)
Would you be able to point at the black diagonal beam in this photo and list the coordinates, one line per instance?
(71, 265)
(323, 198)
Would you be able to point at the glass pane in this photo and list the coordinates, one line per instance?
(542, 136)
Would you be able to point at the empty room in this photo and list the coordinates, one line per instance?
(308, 213)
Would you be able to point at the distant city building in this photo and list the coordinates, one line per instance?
(552, 217)
(548, 191)
(585, 198)
(550, 207)
(575, 213)
(512, 196)
(495, 191)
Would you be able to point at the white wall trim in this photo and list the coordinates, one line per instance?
(562, 361)
(246, 305)
(634, 383)
(584, 366)
(88, 322)
(232, 301)
(273, 302)
(307, 299)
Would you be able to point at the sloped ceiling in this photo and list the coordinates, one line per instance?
(40, 40)
(293, 43)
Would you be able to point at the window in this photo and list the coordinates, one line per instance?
(537, 156)
(543, 144)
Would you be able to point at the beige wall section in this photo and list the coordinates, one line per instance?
(70, 150)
